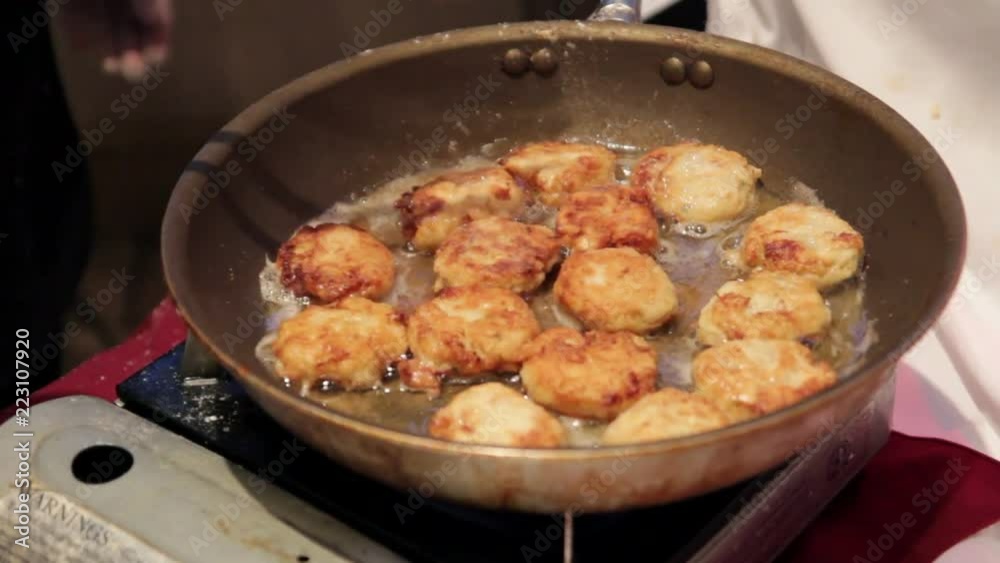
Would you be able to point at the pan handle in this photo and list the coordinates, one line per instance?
(624, 11)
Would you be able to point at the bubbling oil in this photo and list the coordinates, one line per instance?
(698, 259)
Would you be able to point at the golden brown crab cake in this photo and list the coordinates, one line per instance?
(767, 305)
(695, 183)
(668, 413)
(608, 216)
(497, 252)
(432, 211)
(496, 415)
(555, 169)
(590, 375)
(329, 262)
(467, 331)
(749, 378)
(805, 240)
(350, 344)
(616, 289)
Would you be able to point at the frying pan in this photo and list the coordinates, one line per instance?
(357, 122)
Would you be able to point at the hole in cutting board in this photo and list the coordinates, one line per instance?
(97, 465)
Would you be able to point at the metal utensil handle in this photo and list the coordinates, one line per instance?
(625, 11)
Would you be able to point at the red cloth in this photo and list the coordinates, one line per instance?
(913, 501)
(158, 334)
(917, 498)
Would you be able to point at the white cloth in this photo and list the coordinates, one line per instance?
(937, 63)
(652, 7)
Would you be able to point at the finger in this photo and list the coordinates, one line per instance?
(111, 65)
(153, 21)
(133, 68)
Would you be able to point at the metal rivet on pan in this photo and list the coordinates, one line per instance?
(673, 71)
(544, 61)
(701, 74)
(515, 62)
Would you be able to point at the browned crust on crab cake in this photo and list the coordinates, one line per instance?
(554, 169)
(494, 414)
(616, 289)
(329, 262)
(608, 216)
(750, 378)
(696, 183)
(497, 252)
(350, 344)
(805, 240)
(429, 213)
(467, 331)
(591, 375)
(766, 305)
(668, 413)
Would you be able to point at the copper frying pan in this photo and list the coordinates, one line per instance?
(346, 126)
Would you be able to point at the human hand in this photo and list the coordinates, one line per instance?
(131, 34)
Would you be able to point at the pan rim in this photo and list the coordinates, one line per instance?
(510, 35)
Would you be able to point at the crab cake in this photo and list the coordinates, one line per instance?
(497, 252)
(467, 331)
(555, 169)
(494, 414)
(806, 240)
(767, 305)
(350, 344)
(749, 378)
(607, 217)
(432, 211)
(591, 375)
(695, 183)
(668, 413)
(331, 261)
(616, 289)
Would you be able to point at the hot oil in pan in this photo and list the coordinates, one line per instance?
(698, 261)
